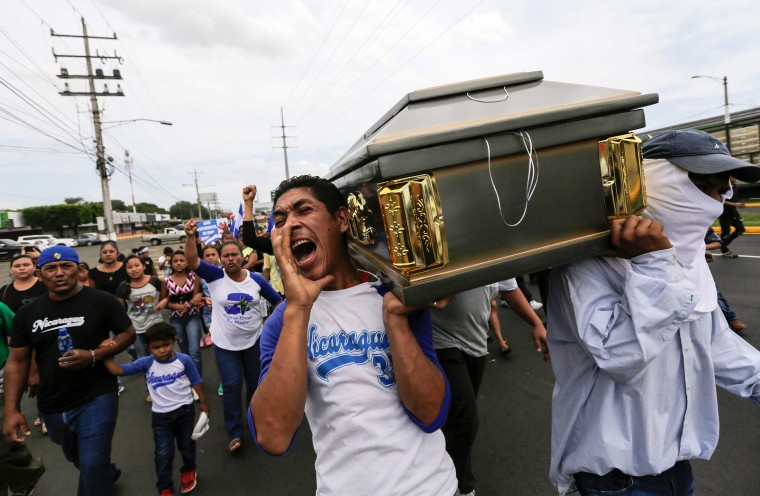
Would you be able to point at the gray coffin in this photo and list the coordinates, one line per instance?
(462, 140)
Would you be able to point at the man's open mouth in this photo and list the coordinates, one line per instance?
(302, 250)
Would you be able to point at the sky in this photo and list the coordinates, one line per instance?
(221, 71)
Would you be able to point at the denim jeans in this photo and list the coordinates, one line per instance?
(723, 304)
(234, 366)
(189, 332)
(676, 481)
(141, 349)
(177, 424)
(85, 433)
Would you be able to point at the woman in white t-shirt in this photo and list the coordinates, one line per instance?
(237, 319)
(141, 296)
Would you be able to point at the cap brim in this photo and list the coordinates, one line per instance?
(716, 163)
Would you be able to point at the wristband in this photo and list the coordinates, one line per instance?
(93, 357)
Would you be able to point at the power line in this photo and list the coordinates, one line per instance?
(681, 120)
(149, 189)
(39, 108)
(360, 50)
(177, 147)
(372, 90)
(26, 55)
(334, 51)
(22, 122)
(381, 57)
(36, 149)
(152, 182)
(24, 196)
(161, 147)
(317, 52)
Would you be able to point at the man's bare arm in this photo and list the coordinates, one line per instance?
(517, 302)
(191, 240)
(278, 404)
(80, 358)
(16, 372)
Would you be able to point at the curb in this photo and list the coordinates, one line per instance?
(749, 229)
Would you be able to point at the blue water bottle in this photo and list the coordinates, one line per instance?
(65, 344)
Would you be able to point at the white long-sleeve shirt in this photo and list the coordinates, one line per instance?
(636, 369)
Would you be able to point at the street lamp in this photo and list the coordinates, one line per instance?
(727, 114)
(101, 163)
(128, 121)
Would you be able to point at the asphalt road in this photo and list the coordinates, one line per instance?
(511, 452)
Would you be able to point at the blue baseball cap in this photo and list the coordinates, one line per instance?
(57, 254)
(700, 153)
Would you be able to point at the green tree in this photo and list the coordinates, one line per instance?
(55, 217)
(150, 208)
(116, 206)
(74, 200)
(187, 210)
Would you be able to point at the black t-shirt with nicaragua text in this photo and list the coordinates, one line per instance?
(89, 316)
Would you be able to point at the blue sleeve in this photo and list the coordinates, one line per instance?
(141, 365)
(270, 334)
(190, 370)
(267, 291)
(208, 272)
(421, 326)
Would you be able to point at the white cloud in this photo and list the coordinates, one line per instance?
(220, 71)
(488, 28)
(221, 24)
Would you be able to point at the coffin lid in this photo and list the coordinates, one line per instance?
(482, 107)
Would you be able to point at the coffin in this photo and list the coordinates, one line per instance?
(470, 183)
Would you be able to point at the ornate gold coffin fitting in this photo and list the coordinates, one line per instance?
(437, 187)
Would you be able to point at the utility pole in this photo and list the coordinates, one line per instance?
(727, 114)
(726, 111)
(128, 166)
(101, 162)
(197, 191)
(284, 142)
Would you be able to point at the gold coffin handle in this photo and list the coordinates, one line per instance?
(359, 219)
(413, 222)
(622, 171)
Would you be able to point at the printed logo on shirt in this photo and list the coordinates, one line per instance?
(142, 305)
(157, 381)
(45, 325)
(341, 348)
(239, 304)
